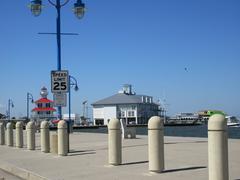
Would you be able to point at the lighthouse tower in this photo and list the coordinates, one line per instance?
(44, 107)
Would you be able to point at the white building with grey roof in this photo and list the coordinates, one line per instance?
(126, 105)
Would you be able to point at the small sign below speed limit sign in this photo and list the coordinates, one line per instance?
(59, 81)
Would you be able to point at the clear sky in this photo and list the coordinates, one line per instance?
(184, 51)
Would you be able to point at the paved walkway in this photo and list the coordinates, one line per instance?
(6, 176)
(185, 159)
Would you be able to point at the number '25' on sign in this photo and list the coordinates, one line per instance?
(59, 81)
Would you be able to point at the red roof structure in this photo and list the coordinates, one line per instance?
(44, 100)
(44, 109)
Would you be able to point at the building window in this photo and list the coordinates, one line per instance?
(48, 105)
(131, 113)
(122, 114)
(40, 105)
(99, 122)
(48, 112)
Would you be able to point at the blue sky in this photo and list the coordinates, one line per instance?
(145, 43)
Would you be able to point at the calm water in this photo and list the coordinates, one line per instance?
(183, 131)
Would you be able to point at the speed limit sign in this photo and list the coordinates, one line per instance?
(59, 81)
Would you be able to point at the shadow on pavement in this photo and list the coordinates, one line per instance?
(184, 169)
(79, 153)
(132, 163)
(186, 142)
(137, 145)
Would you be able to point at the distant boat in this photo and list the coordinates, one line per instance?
(232, 121)
(184, 119)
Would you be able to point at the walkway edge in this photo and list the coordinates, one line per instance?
(19, 172)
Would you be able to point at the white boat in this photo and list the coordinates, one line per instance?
(232, 121)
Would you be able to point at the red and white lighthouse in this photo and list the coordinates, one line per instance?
(44, 107)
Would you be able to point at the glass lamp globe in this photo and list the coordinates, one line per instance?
(36, 7)
(79, 9)
(76, 88)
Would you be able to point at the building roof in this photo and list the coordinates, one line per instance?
(121, 98)
(44, 109)
(44, 100)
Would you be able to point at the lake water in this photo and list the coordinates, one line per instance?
(183, 131)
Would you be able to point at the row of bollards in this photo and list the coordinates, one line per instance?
(217, 146)
(58, 141)
(217, 143)
(155, 143)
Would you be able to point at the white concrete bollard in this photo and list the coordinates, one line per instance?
(2, 134)
(156, 144)
(31, 135)
(62, 138)
(19, 134)
(114, 142)
(45, 141)
(9, 134)
(217, 148)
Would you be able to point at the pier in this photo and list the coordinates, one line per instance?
(185, 159)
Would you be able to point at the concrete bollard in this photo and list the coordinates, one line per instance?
(2, 134)
(45, 144)
(217, 148)
(54, 144)
(31, 135)
(62, 138)
(19, 134)
(156, 144)
(114, 142)
(9, 134)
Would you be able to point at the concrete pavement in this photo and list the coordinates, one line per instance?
(185, 158)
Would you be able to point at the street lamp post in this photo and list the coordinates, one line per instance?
(29, 97)
(10, 105)
(72, 82)
(78, 9)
